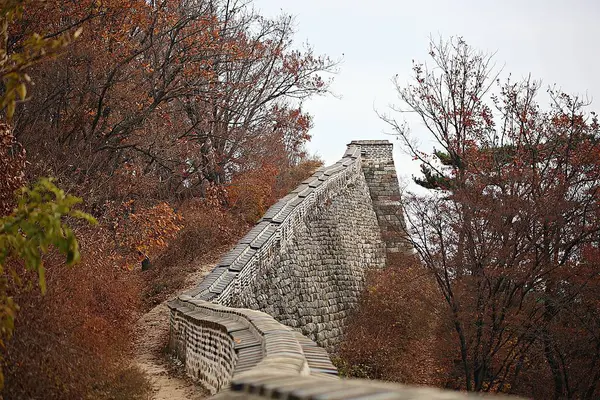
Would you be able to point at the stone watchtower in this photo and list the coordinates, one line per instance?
(380, 173)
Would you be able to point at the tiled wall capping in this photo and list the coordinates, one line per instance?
(220, 345)
(258, 325)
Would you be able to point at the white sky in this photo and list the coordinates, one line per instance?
(556, 41)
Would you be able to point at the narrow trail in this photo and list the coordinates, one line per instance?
(153, 331)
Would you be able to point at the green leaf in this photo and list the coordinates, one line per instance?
(10, 110)
(22, 91)
(42, 278)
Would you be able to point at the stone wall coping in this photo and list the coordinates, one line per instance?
(370, 143)
(283, 370)
(281, 348)
(309, 387)
(270, 226)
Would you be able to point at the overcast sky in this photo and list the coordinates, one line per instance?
(556, 41)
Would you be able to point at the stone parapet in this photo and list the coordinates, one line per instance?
(381, 177)
(246, 354)
(310, 388)
(304, 261)
(258, 325)
(217, 344)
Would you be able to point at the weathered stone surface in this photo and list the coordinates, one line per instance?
(318, 270)
(304, 262)
(298, 273)
(312, 387)
(219, 343)
(380, 173)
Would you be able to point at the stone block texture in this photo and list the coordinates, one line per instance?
(204, 346)
(304, 262)
(218, 344)
(312, 278)
(380, 174)
(260, 323)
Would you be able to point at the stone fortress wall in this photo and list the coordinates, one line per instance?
(260, 323)
(304, 261)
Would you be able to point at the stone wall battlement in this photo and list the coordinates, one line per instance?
(218, 344)
(261, 323)
(275, 228)
(304, 261)
(246, 354)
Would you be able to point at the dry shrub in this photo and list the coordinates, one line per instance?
(393, 333)
(290, 178)
(208, 231)
(74, 342)
(140, 230)
(251, 192)
(12, 168)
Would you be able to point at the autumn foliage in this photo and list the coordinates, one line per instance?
(509, 231)
(73, 341)
(179, 94)
(178, 122)
(12, 165)
(393, 335)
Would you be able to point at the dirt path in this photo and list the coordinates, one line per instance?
(153, 331)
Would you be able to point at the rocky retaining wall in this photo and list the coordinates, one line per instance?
(305, 260)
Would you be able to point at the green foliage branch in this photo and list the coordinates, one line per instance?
(37, 223)
(33, 49)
